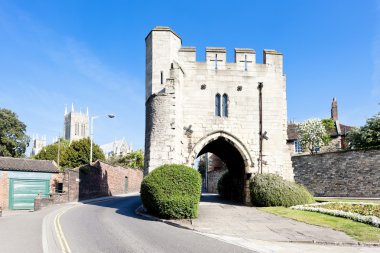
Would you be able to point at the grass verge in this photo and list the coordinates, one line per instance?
(358, 231)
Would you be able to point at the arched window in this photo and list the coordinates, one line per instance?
(225, 105)
(217, 105)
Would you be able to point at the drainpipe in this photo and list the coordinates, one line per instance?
(260, 160)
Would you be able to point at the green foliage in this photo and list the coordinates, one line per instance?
(202, 166)
(329, 124)
(367, 136)
(225, 185)
(312, 135)
(273, 190)
(134, 160)
(13, 138)
(50, 152)
(172, 191)
(78, 153)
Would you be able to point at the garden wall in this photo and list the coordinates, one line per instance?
(340, 174)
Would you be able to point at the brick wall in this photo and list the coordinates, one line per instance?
(340, 174)
(4, 188)
(103, 179)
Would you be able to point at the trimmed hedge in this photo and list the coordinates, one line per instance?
(172, 191)
(273, 190)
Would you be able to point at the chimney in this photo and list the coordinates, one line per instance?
(334, 109)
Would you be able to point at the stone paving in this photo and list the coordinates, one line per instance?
(263, 232)
(251, 223)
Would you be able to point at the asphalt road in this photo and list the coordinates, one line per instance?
(113, 226)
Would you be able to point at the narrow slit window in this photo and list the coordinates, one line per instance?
(162, 77)
(225, 105)
(217, 105)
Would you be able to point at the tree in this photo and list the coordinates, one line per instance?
(134, 160)
(202, 166)
(13, 138)
(78, 153)
(50, 152)
(312, 135)
(367, 136)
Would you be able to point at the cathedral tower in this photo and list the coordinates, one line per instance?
(76, 125)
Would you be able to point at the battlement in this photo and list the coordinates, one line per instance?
(243, 57)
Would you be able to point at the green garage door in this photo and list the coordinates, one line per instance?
(22, 192)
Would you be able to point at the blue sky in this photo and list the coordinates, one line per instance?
(92, 53)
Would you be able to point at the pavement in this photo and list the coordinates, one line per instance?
(263, 232)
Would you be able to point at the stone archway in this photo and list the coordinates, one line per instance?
(234, 154)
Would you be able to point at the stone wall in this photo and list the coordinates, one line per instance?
(340, 174)
(213, 178)
(102, 179)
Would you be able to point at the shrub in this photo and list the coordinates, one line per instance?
(172, 191)
(273, 190)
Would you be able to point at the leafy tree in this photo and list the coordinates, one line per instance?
(202, 166)
(312, 135)
(133, 160)
(13, 138)
(50, 152)
(367, 136)
(329, 124)
(78, 153)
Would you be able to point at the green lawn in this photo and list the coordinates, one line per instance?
(358, 231)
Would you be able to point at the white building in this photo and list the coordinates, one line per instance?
(116, 148)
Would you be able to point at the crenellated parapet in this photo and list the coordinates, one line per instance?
(245, 58)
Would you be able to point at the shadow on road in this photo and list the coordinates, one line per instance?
(123, 205)
(127, 205)
(215, 198)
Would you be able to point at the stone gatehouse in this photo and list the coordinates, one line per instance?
(235, 110)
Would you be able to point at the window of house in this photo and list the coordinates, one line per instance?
(225, 105)
(59, 188)
(297, 146)
(217, 105)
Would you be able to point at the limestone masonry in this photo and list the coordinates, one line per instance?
(191, 104)
(340, 174)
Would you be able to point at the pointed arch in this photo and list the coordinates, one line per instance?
(233, 140)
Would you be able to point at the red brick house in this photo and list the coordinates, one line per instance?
(337, 134)
(22, 179)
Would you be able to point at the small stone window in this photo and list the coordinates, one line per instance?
(225, 105)
(203, 86)
(239, 88)
(162, 77)
(217, 105)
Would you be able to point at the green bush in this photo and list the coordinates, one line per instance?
(273, 190)
(225, 185)
(172, 191)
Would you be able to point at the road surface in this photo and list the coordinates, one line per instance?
(106, 226)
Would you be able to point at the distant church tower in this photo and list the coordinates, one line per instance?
(38, 144)
(76, 125)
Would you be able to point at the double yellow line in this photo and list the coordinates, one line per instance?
(61, 237)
